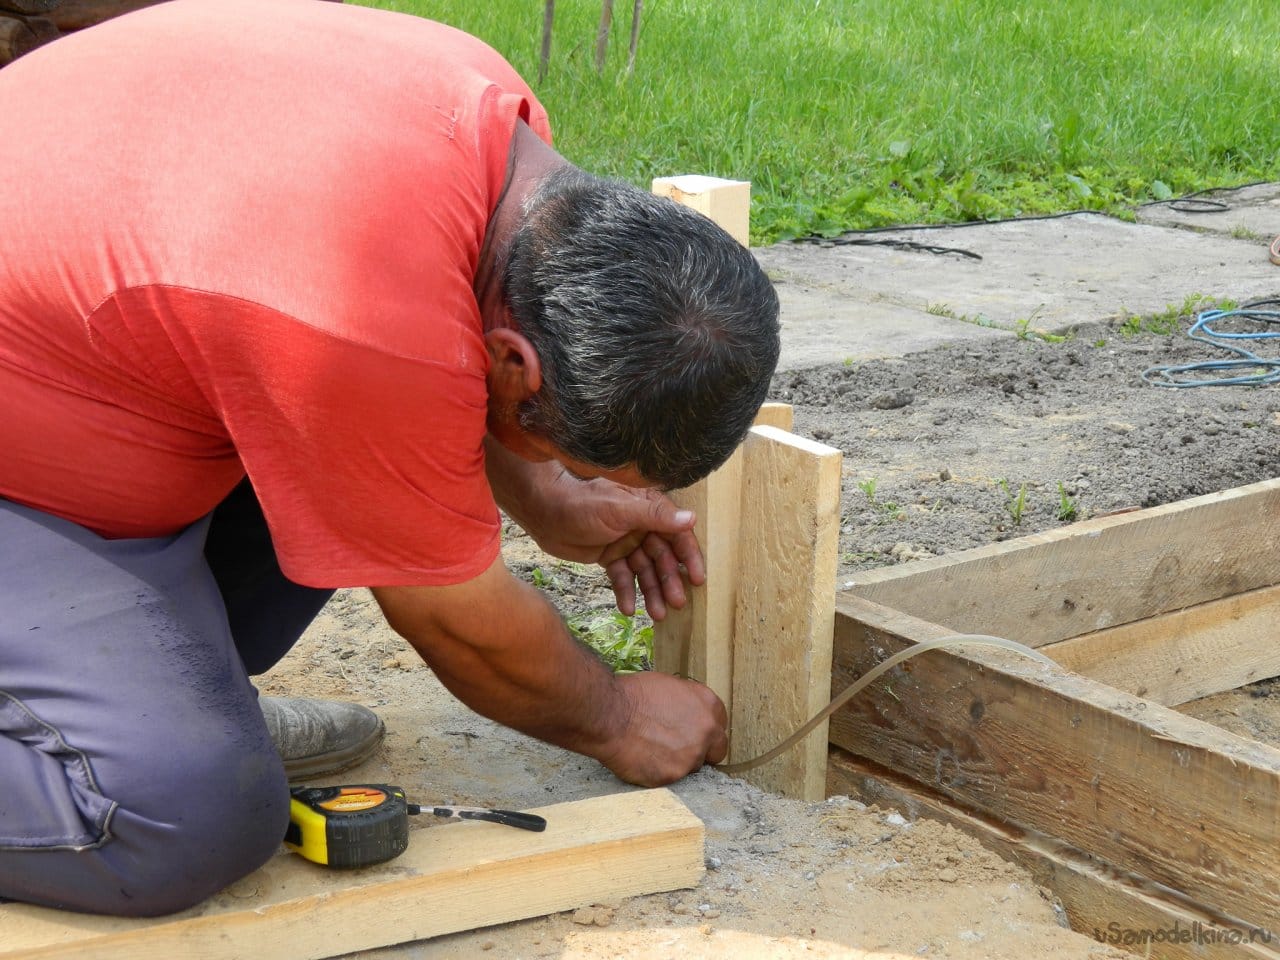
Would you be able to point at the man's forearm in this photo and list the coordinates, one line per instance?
(520, 666)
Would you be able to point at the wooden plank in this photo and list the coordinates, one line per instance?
(786, 587)
(1098, 900)
(1185, 655)
(780, 415)
(1146, 789)
(697, 641)
(455, 877)
(727, 202)
(1095, 574)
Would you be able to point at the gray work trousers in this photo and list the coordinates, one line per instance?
(136, 773)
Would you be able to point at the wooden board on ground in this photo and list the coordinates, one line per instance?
(1184, 655)
(788, 544)
(1152, 792)
(452, 878)
(1098, 573)
(1109, 905)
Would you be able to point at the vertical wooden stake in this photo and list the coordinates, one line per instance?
(727, 202)
(697, 641)
(760, 632)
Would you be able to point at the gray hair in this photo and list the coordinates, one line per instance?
(656, 330)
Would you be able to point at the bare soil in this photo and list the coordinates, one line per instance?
(927, 440)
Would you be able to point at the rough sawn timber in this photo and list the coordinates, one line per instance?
(454, 877)
(1185, 654)
(1098, 901)
(1149, 791)
(782, 636)
(1098, 573)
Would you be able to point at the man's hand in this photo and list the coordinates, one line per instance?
(675, 727)
(638, 535)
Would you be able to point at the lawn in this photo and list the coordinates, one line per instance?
(861, 113)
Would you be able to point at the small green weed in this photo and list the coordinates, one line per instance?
(1171, 319)
(1241, 232)
(1068, 509)
(944, 310)
(1015, 503)
(1024, 331)
(859, 556)
(624, 645)
(890, 509)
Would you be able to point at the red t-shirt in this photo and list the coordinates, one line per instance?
(241, 235)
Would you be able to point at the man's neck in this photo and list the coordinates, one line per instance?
(530, 162)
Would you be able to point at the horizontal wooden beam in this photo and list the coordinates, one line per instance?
(1095, 574)
(1157, 794)
(454, 877)
(1098, 900)
(1184, 655)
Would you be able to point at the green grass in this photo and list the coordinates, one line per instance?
(858, 113)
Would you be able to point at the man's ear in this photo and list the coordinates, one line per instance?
(515, 372)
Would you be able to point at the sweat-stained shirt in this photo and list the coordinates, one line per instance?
(241, 235)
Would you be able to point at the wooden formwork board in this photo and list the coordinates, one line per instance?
(452, 878)
(759, 632)
(1098, 900)
(1171, 603)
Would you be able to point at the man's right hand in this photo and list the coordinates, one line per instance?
(502, 649)
(674, 727)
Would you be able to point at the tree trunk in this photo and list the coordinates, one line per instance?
(602, 35)
(635, 36)
(548, 18)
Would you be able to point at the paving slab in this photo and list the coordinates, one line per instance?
(821, 325)
(842, 300)
(1252, 214)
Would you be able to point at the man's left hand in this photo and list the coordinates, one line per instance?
(639, 536)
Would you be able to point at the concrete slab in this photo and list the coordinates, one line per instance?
(1252, 214)
(821, 326)
(861, 301)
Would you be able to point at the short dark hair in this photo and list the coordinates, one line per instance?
(657, 331)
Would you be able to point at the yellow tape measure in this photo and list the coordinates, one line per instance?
(367, 823)
(351, 826)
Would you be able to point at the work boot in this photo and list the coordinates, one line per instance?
(319, 737)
